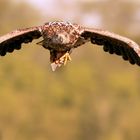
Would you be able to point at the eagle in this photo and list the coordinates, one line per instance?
(61, 37)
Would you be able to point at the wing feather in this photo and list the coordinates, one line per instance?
(13, 40)
(114, 44)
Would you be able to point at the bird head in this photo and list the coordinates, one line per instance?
(61, 38)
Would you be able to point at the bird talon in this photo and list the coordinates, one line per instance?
(62, 60)
(66, 57)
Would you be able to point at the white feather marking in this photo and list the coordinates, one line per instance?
(53, 66)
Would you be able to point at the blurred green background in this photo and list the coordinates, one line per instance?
(94, 97)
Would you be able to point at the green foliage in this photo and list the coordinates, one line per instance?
(96, 96)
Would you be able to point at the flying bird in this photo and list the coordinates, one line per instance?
(60, 38)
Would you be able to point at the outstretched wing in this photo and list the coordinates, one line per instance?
(114, 44)
(13, 40)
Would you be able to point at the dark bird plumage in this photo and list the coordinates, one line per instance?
(61, 37)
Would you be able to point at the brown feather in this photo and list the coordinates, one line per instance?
(114, 43)
(62, 37)
(13, 40)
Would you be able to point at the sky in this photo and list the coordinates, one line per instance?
(50, 5)
(69, 10)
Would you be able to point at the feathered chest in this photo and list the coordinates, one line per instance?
(59, 35)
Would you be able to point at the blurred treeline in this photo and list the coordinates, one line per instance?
(94, 97)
